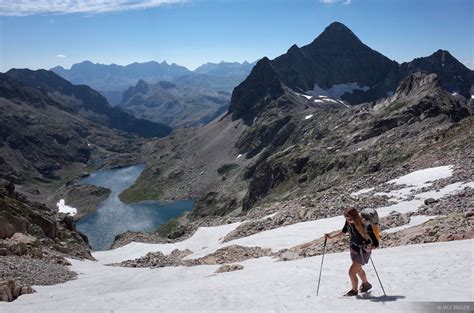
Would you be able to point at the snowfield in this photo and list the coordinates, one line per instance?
(428, 272)
(410, 274)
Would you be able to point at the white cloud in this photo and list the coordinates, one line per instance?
(61, 56)
(32, 7)
(344, 2)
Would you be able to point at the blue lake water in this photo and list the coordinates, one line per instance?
(114, 217)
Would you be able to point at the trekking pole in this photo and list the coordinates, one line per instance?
(378, 276)
(321, 268)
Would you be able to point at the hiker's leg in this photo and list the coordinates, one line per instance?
(353, 270)
(362, 275)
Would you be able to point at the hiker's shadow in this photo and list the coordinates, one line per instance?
(381, 298)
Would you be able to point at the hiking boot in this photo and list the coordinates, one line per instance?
(365, 287)
(351, 293)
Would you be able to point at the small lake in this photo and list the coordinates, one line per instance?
(113, 217)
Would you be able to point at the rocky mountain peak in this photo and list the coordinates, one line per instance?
(262, 82)
(337, 33)
(142, 87)
(416, 83)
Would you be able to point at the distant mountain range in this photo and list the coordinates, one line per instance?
(225, 69)
(174, 105)
(112, 80)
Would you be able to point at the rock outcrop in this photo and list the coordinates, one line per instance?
(10, 291)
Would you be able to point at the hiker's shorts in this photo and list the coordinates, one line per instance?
(357, 257)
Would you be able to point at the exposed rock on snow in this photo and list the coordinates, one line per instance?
(224, 255)
(229, 268)
(337, 91)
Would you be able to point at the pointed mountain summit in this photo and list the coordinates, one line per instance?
(338, 33)
(336, 56)
(338, 64)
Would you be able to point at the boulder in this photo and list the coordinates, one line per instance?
(26, 290)
(6, 229)
(20, 238)
(430, 201)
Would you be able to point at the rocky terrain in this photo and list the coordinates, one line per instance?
(34, 244)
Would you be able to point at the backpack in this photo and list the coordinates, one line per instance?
(372, 217)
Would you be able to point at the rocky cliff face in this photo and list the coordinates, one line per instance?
(251, 96)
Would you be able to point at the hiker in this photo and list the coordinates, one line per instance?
(362, 241)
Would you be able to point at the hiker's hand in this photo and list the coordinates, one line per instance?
(327, 236)
(369, 248)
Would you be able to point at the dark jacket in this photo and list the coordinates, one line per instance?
(357, 240)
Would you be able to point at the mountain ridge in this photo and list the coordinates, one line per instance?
(87, 102)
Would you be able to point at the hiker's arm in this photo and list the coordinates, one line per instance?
(338, 235)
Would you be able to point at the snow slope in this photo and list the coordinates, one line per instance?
(265, 285)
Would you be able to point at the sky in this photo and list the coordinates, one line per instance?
(43, 34)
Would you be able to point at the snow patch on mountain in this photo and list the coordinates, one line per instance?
(422, 177)
(63, 208)
(336, 91)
